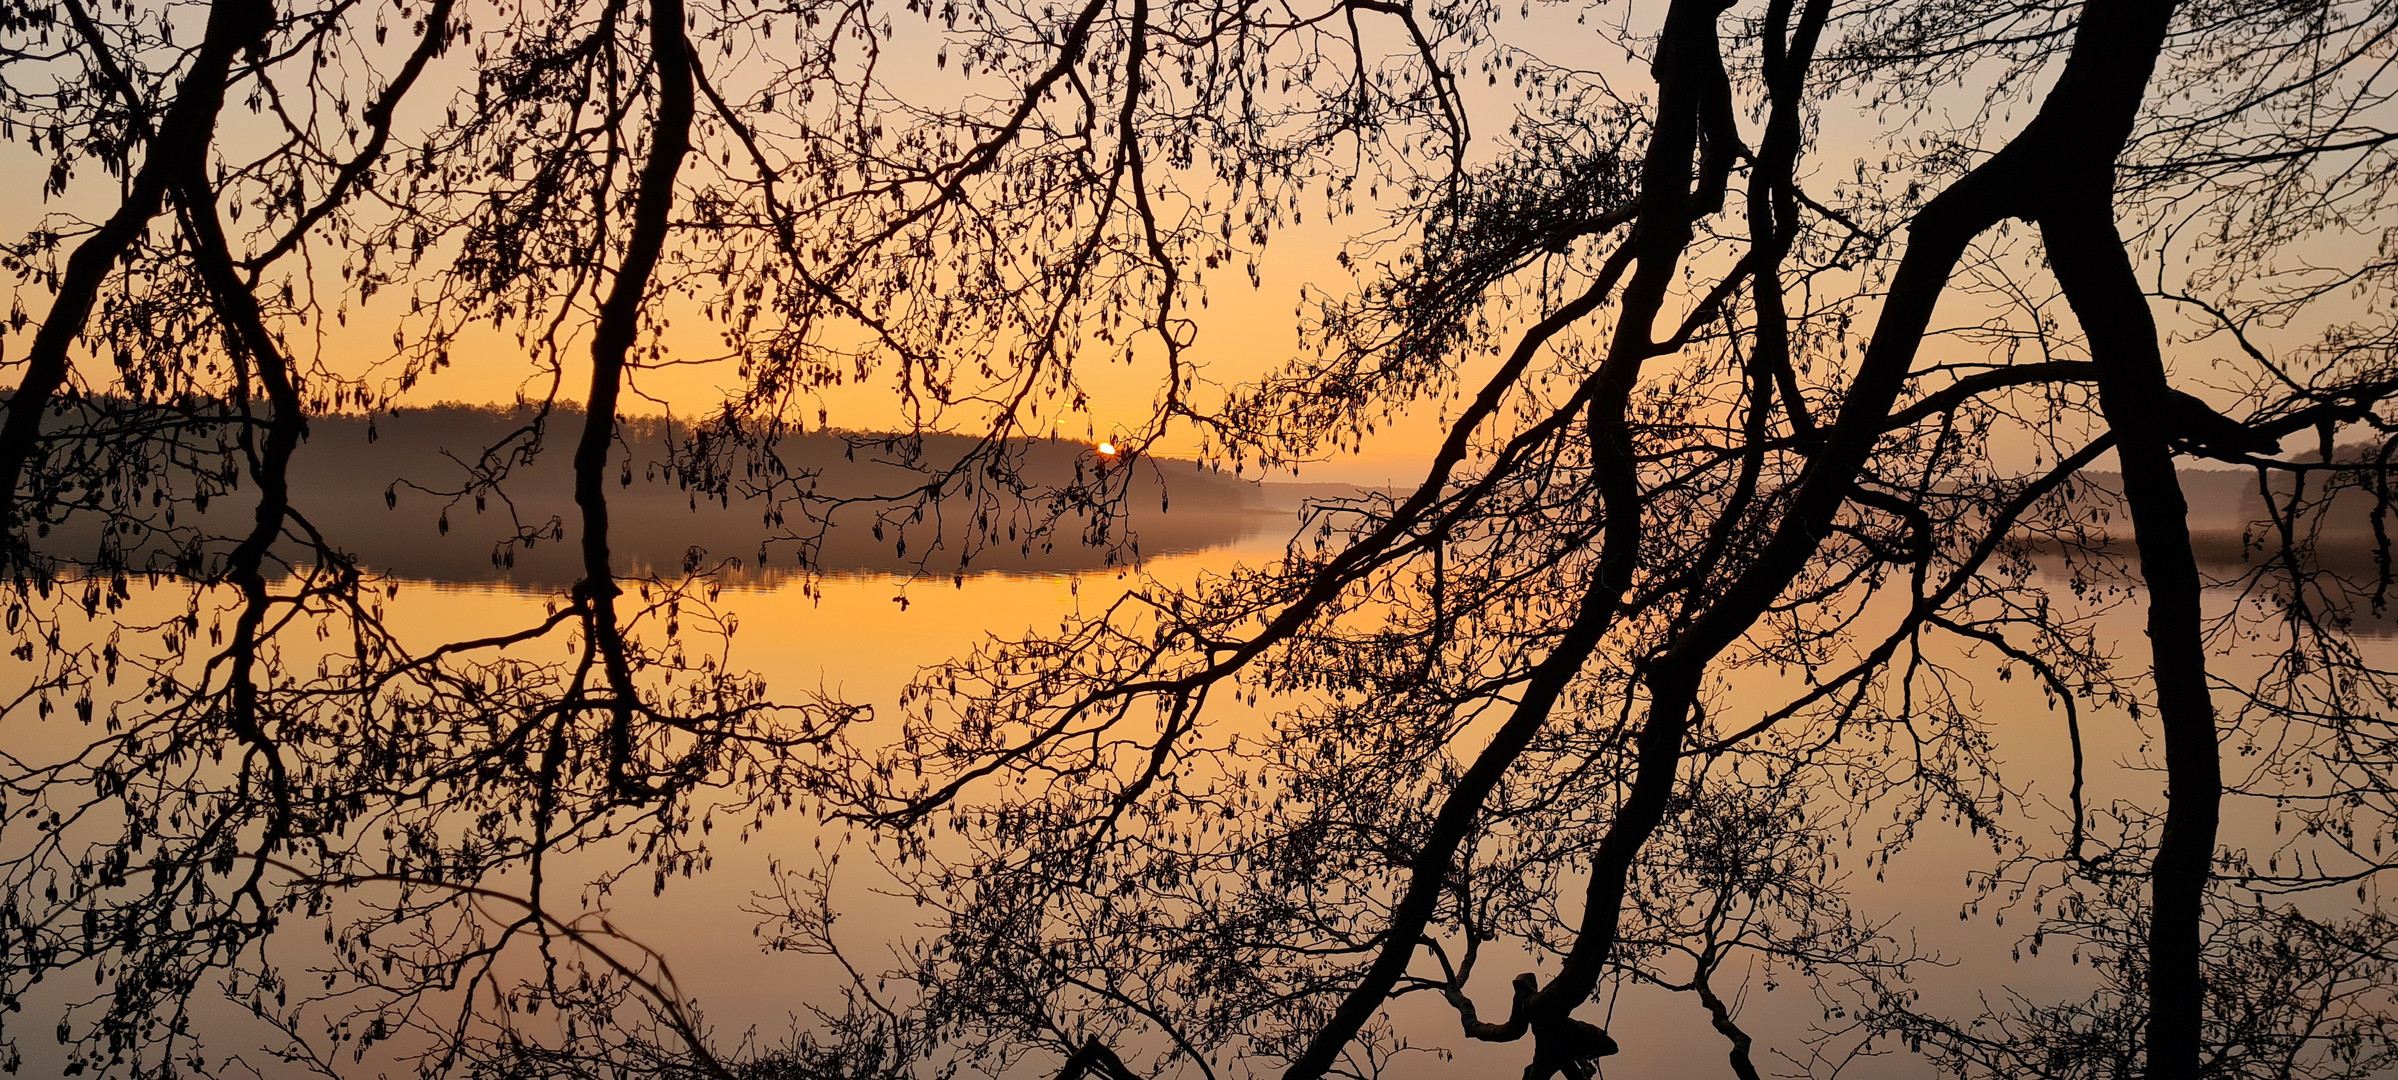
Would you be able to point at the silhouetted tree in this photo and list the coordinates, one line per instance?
(1547, 625)
(1725, 524)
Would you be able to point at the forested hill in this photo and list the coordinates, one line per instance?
(2230, 522)
(393, 491)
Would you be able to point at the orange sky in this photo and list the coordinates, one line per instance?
(1243, 332)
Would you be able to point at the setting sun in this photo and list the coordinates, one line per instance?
(1108, 448)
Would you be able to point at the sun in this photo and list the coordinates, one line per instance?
(1108, 448)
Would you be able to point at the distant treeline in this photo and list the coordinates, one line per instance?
(2230, 521)
(399, 491)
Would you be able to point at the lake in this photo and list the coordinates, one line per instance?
(854, 631)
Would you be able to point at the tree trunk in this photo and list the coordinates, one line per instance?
(183, 136)
(2081, 128)
(611, 342)
(2099, 282)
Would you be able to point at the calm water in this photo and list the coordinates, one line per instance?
(847, 636)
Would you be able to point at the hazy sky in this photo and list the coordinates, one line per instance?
(1242, 332)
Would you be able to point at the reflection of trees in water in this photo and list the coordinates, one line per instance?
(1705, 580)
